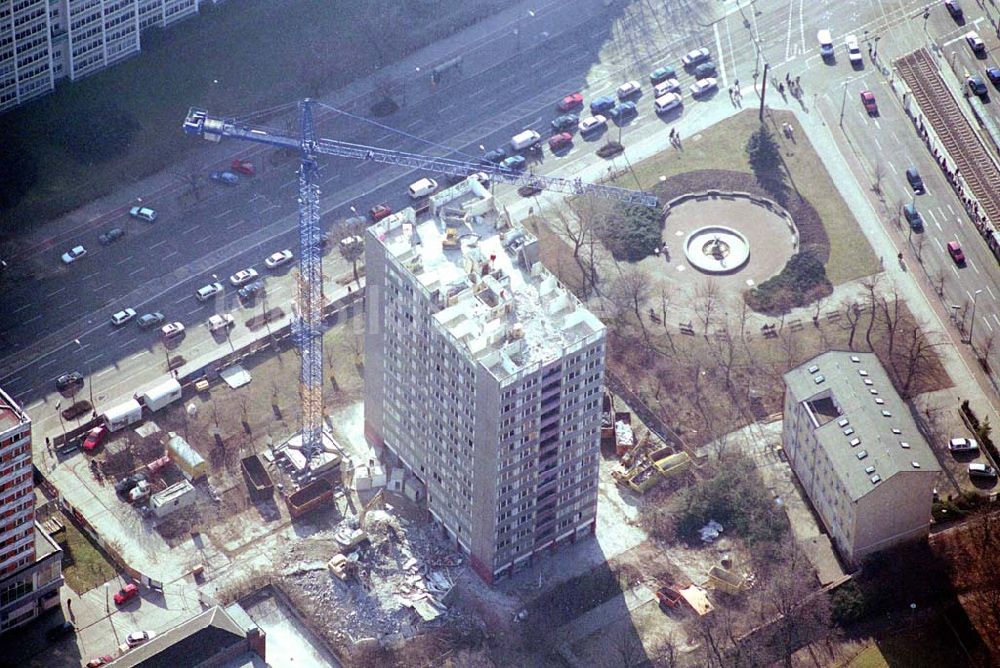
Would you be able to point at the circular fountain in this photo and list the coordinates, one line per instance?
(716, 249)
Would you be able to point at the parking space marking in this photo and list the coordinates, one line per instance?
(191, 229)
(157, 245)
(55, 292)
(991, 292)
(105, 372)
(718, 49)
(37, 317)
(123, 261)
(950, 210)
(137, 271)
(102, 287)
(21, 308)
(139, 354)
(996, 318)
(223, 214)
(49, 363)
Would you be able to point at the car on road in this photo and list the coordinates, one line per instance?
(825, 40)
(704, 70)
(666, 86)
(379, 211)
(623, 110)
(422, 188)
(526, 140)
(277, 259)
(148, 320)
(913, 217)
(668, 102)
(68, 380)
(142, 213)
(244, 167)
(703, 86)
(977, 86)
(565, 122)
(126, 593)
(977, 470)
(993, 74)
(628, 89)
(60, 632)
(963, 445)
(251, 290)
(515, 163)
(602, 104)
(73, 254)
(913, 178)
(100, 661)
(560, 141)
(593, 124)
(137, 638)
(225, 178)
(111, 236)
(223, 321)
(869, 103)
(954, 9)
(172, 330)
(976, 43)
(94, 438)
(955, 251)
(243, 276)
(123, 316)
(662, 74)
(854, 51)
(570, 102)
(126, 485)
(696, 56)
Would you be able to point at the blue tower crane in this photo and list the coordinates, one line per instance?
(307, 325)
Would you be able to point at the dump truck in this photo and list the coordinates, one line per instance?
(668, 597)
(258, 481)
(310, 497)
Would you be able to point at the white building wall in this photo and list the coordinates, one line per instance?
(25, 52)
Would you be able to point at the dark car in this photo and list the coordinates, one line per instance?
(704, 70)
(917, 183)
(68, 380)
(148, 320)
(913, 217)
(993, 74)
(495, 156)
(111, 236)
(661, 74)
(515, 163)
(227, 178)
(565, 122)
(251, 290)
(126, 485)
(560, 141)
(60, 632)
(602, 104)
(623, 110)
(977, 85)
(954, 9)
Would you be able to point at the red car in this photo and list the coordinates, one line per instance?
(955, 251)
(127, 593)
(243, 167)
(94, 438)
(99, 661)
(560, 141)
(570, 102)
(379, 211)
(868, 99)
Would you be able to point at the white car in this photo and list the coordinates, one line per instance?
(217, 322)
(825, 40)
(963, 445)
(136, 638)
(123, 316)
(347, 242)
(853, 49)
(704, 86)
(73, 254)
(668, 102)
(277, 259)
(975, 42)
(172, 330)
(207, 292)
(592, 124)
(422, 188)
(142, 213)
(628, 89)
(696, 56)
(664, 87)
(243, 276)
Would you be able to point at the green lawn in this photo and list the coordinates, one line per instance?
(723, 146)
(233, 59)
(84, 566)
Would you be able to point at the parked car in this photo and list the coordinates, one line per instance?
(172, 330)
(854, 51)
(422, 188)
(869, 103)
(494, 157)
(225, 178)
(111, 236)
(825, 40)
(515, 163)
(143, 213)
(379, 211)
(976, 43)
(94, 438)
(963, 445)
(244, 167)
(560, 141)
(126, 593)
(351, 240)
(696, 56)
(977, 470)
(628, 89)
(100, 661)
(704, 70)
(148, 320)
(123, 316)
(917, 183)
(955, 251)
(703, 86)
(277, 259)
(977, 86)
(993, 74)
(565, 122)
(251, 290)
(593, 124)
(125, 485)
(623, 110)
(136, 638)
(668, 102)
(662, 74)
(602, 104)
(666, 86)
(243, 276)
(141, 491)
(68, 380)
(570, 102)
(60, 632)
(73, 254)
(223, 321)
(954, 9)
(208, 291)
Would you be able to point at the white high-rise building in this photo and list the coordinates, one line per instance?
(484, 377)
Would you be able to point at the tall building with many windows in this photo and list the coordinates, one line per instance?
(30, 562)
(484, 377)
(42, 41)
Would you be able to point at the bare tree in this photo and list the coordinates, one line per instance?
(877, 176)
(938, 277)
(632, 285)
(852, 318)
(666, 291)
(706, 297)
(352, 246)
(870, 285)
(920, 358)
(891, 306)
(919, 247)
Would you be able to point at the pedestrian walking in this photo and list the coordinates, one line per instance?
(797, 82)
(788, 78)
(781, 89)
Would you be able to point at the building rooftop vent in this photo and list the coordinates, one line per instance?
(848, 431)
(843, 422)
(820, 378)
(813, 369)
(869, 381)
(855, 359)
(886, 414)
(904, 445)
(862, 454)
(869, 470)
(876, 479)
(855, 442)
(915, 465)
(862, 372)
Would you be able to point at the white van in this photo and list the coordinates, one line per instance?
(668, 102)
(422, 188)
(825, 43)
(526, 139)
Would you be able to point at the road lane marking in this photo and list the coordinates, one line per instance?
(95, 357)
(105, 372)
(137, 271)
(191, 229)
(37, 317)
(139, 354)
(223, 214)
(987, 323)
(101, 287)
(55, 292)
(991, 292)
(49, 363)
(121, 262)
(158, 244)
(21, 308)
(718, 49)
